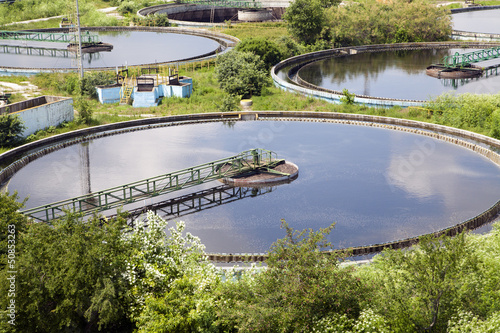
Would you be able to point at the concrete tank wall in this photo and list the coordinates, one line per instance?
(41, 112)
(199, 13)
(108, 95)
(194, 15)
(255, 15)
(294, 64)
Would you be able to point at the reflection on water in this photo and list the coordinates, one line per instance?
(195, 202)
(377, 185)
(486, 21)
(399, 75)
(129, 48)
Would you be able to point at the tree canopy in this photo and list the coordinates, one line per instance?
(102, 275)
(305, 20)
(11, 128)
(267, 50)
(241, 73)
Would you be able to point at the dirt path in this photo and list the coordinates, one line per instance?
(27, 89)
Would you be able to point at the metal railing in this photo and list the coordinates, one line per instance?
(195, 202)
(465, 59)
(87, 38)
(247, 161)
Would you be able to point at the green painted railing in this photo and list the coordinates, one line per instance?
(463, 60)
(87, 37)
(115, 197)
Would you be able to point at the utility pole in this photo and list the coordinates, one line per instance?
(79, 52)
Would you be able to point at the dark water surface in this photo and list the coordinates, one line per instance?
(486, 21)
(129, 48)
(378, 185)
(394, 74)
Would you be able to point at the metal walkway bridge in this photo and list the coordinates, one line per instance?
(245, 162)
(195, 202)
(36, 36)
(43, 51)
(458, 60)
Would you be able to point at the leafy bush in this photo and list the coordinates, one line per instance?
(373, 22)
(69, 277)
(420, 290)
(59, 83)
(267, 50)
(467, 322)
(127, 7)
(82, 105)
(157, 20)
(241, 73)
(171, 279)
(91, 80)
(11, 129)
(468, 111)
(348, 97)
(300, 286)
(289, 47)
(228, 103)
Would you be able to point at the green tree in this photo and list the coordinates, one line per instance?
(300, 286)
(82, 105)
(241, 73)
(487, 282)
(171, 279)
(11, 129)
(69, 277)
(10, 220)
(305, 20)
(373, 22)
(267, 50)
(419, 290)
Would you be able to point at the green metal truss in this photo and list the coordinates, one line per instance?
(465, 59)
(245, 162)
(87, 38)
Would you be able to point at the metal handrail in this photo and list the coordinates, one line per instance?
(465, 59)
(87, 38)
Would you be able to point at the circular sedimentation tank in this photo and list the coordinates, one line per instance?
(202, 15)
(382, 75)
(476, 23)
(379, 179)
(132, 46)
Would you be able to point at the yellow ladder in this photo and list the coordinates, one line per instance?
(127, 89)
